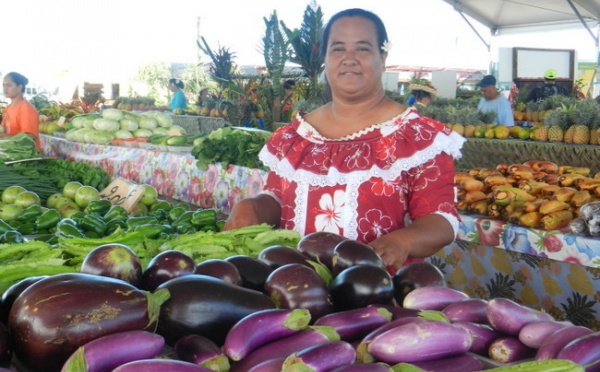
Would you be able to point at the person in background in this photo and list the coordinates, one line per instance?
(493, 100)
(550, 88)
(362, 166)
(288, 100)
(178, 101)
(202, 96)
(421, 95)
(20, 115)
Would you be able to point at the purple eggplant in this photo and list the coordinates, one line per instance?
(10, 295)
(550, 348)
(483, 336)
(286, 346)
(318, 246)
(114, 261)
(220, 269)
(419, 341)
(363, 367)
(5, 346)
(279, 255)
(509, 349)
(271, 365)
(399, 312)
(294, 286)
(201, 304)
(108, 352)
(535, 333)
(361, 285)
(362, 353)
(351, 252)
(416, 275)
(58, 314)
(509, 317)
(254, 273)
(262, 327)
(160, 365)
(354, 324)
(201, 351)
(583, 350)
(321, 358)
(433, 298)
(457, 363)
(471, 310)
(166, 266)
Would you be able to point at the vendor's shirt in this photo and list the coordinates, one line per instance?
(22, 117)
(501, 106)
(178, 100)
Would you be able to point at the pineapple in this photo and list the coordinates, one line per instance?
(539, 133)
(584, 117)
(595, 132)
(556, 123)
(531, 113)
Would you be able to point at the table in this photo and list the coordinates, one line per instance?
(199, 124)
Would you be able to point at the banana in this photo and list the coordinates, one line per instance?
(556, 220)
(532, 187)
(461, 176)
(564, 194)
(545, 166)
(548, 191)
(495, 180)
(506, 195)
(551, 179)
(471, 184)
(518, 167)
(533, 206)
(479, 207)
(552, 206)
(584, 171)
(522, 175)
(568, 179)
(474, 196)
(580, 198)
(502, 168)
(531, 219)
(515, 215)
(494, 210)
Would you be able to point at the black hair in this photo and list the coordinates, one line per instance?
(18, 79)
(178, 83)
(354, 12)
(289, 84)
(420, 94)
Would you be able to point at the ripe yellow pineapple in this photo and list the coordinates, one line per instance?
(584, 117)
(556, 122)
(539, 133)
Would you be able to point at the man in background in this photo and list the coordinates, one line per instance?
(493, 100)
(550, 88)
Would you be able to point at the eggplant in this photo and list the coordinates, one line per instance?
(263, 327)
(318, 246)
(294, 286)
(10, 295)
(354, 324)
(351, 252)
(5, 346)
(420, 341)
(361, 285)
(550, 348)
(201, 304)
(535, 333)
(362, 353)
(321, 358)
(483, 336)
(201, 351)
(108, 352)
(278, 255)
(416, 275)
(220, 269)
(254, 273)
(114, 261)
(160, 365)
(457, 363)
(166, 266)
(284, 347)
(583, 350)
(58, 314)
(471, 310)
(271, 365)
(399, 312)
(509, 317)
(508, 349)
(432, 298)
(363, 367)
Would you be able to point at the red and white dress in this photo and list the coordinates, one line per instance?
(366, 184)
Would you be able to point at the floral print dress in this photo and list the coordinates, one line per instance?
(367, 184)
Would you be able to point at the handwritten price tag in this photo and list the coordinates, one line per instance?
(61, 121)
(123, 193)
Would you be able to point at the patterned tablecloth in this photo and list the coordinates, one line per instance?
(174, 175)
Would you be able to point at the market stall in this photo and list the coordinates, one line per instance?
(199, 124)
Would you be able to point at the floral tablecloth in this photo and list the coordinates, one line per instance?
(174, 175)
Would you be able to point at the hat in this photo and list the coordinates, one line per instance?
(424, 87)
(487, 81)
(550, 74)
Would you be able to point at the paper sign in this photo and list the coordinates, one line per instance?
(123, 193)
(61, 121)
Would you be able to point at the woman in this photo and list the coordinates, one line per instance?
(362, 166)
(20, 115)
(421, 95)
(178, 101)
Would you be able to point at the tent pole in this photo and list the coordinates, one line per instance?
(570, 2)
(474, 30)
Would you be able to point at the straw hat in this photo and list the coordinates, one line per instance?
(426, 88)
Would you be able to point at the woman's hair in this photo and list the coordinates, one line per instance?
(289, 84)
(18, 79)
(420, 94)
(178, 83)
(354, 12)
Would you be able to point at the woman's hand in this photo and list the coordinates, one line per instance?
(254, 211)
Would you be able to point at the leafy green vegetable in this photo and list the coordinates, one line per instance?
(17, 147)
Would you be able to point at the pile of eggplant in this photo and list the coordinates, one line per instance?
(326, 305)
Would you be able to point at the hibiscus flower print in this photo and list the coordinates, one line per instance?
(173, 168)
(221, 193)
(425, 173)
(329, 213)
(159, 181)
(381, 187)
(385, 147)
(211, 176)
(552, 243)
(255, 184)
(358, 157)
(195, 190)
(373, 225)
(206, 200)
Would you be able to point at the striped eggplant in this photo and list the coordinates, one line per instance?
(432, 298)
(321, 358)
(550, 348)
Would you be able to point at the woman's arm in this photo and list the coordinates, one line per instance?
(253, 211)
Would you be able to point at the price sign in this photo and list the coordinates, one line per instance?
(61, 121)
(123, 193)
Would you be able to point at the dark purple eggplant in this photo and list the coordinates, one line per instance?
(160, 365)
(416, 275)
(220, 269)
(166, 266)
(509, 317)
(483, 336)
(362, 352)
(5, 346)
(432, 298)
(10, 295)
(201, 304)
(262, 327)
(361, 285)
(321, 358)
(419, 341)
(279, 255)
(470, 310)
(108, 352)
(535, 333)
(202, 351)
(286, 346)
(114, 261)
(254, 273)
(294, 286)
(508, 349)
(271, 365)
(351, 252)
(354, 324)
(456, 363)
(583, 350)
(58, 314)
(550, 348)
(400, 312)
(363, 367)
(318, 246)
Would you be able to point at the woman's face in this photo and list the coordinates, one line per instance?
(354, 63)
(172, 87)
(10, 89)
